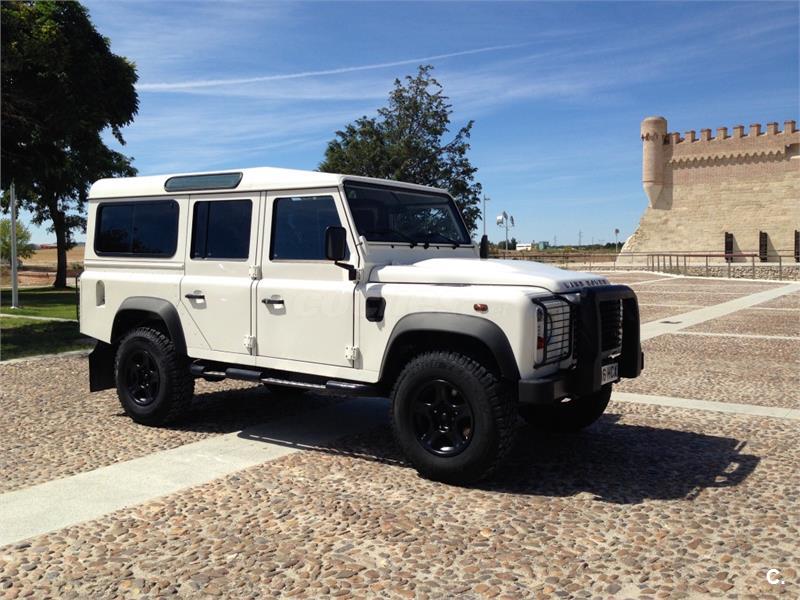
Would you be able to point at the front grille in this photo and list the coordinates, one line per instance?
(558, 319)
(610, 325)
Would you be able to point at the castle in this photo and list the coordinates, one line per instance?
(731, 194)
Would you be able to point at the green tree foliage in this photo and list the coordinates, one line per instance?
(512, 244)
(24, 247)
(61, 88)
(405, 142)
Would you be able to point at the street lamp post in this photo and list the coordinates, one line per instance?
(507, 221)
(485, 200)
(14, 282)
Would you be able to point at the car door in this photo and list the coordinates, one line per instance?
(216, 290)
(304, 303)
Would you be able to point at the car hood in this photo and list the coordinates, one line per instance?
(472, 271)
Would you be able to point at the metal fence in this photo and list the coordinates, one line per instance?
(709, 264)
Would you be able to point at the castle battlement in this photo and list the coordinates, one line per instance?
(732, 187)
(737, 143)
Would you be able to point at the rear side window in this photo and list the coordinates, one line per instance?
(298, 227)
(137, 228)
(221, 229)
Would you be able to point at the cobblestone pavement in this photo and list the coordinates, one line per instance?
(656, 312)
(752, 322)
(787, 301)
(723, 285)
(650, 502)
(648, 295)
(51, 427)
(721, 369)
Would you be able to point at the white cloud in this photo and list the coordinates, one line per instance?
(206, 83)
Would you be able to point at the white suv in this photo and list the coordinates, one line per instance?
(345, 285)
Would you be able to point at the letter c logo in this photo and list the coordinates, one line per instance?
(773, 577)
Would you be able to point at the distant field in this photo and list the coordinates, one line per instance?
(44, 264)
(47, 257)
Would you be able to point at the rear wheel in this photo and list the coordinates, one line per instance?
(153, 381)
(452, 417)
(574, 415)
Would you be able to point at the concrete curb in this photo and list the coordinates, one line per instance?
(90, 495)
(68, 354)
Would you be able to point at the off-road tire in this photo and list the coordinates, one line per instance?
(176, 384)
(568, 417)
(492, 411)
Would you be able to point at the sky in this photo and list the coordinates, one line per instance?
(556, 89)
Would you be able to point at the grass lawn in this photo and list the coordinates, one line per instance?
(28, 337)
(41, 302)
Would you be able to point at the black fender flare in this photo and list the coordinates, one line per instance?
(163, 309)
(483, 330)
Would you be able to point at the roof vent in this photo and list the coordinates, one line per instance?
(210, 181)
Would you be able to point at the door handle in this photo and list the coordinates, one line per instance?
(195, 296)
(268, 301)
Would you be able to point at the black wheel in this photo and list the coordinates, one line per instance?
(453, 419)
(574, 415)
(153, 382)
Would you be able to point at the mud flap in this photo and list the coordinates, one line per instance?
(101, 367)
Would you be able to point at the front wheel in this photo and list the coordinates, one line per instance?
(452, 417)
(574, 415)
(154, 384)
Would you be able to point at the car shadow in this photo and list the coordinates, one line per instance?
(239, 406)
(611, 461)
(622, 463)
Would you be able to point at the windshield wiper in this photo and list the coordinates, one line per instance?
(447, 239)
(411, 242)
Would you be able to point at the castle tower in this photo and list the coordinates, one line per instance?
(654, 133)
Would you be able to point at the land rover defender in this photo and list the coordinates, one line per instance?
(344, 285)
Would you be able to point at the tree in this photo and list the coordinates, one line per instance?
(62, 87)
(24, 247)
(512, 244)
(405, 142)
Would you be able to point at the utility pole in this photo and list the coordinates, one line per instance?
(580, 237)
(616, 238)
(14, 285)
(485, 200)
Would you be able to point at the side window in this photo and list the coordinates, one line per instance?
(298, 227)
(221, 229)
(137, 228)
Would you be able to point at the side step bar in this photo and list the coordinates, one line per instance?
(348, 388)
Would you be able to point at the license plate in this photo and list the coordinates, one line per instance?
(609, 373)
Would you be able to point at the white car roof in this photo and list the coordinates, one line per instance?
(253, 179)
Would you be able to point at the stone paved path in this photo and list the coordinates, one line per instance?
(687, 487)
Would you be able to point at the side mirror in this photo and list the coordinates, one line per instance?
(335, 243)
(484, 247)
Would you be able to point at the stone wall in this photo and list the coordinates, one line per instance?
(698, 189)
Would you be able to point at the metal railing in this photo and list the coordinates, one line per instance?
(682, 263)
(598, 259)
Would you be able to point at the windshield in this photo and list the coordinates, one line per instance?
(384, 214)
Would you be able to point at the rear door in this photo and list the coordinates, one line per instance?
(216, 290)
(304, 303)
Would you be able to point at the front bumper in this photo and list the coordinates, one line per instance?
(585, 377)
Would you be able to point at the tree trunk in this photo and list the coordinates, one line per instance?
(60, 227)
